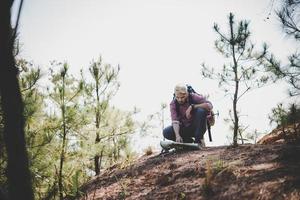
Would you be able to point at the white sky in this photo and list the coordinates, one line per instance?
(157, 43)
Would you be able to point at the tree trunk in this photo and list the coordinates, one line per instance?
(235, 69)
(62, 155)
(242, 139)
(114, 150)
(97, 140)
(101, 157)
(98, 161)
(19, 179)
(60, 175)
(97, 166)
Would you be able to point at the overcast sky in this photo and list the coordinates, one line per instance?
(157, 43)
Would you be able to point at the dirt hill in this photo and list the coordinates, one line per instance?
(249, 171)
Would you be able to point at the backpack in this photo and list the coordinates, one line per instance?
(211, 115)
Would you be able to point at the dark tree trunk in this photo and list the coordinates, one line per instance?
(236, 79)
(63, 152)
(97, 165)
(97, 140)
(98, 162)
(19, 179)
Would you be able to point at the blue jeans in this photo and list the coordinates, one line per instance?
(195, 130)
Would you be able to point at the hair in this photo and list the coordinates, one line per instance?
(180, 88)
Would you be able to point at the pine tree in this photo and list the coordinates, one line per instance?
(289, 17)
(242, 73)
(65, 95)
(103, 87)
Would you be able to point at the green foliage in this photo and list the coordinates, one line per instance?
(37, 128)
(104, 84)
(65, 95)
(288, 15)
(75, 183)
(182, 196)
(290, 72)
(124, 187)
(242, 71)
(279, 115)
(219, 165)
(60, 127)
(99, 91)
(288, 120)
(293, 114)
(120, 125)
(207, 186)
(283, 117)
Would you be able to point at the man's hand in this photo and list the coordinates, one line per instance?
(206, 106)
(179, 138)
(176, 128)
(188, 112)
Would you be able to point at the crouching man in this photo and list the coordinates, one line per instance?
(189, 113)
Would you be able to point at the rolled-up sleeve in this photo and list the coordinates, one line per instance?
(198, 99)
(174, 116)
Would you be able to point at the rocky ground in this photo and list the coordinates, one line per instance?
(262, 171)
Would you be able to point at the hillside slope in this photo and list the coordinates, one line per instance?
(246, 172)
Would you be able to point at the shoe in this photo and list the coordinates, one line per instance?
(202, 143)
(188, 140)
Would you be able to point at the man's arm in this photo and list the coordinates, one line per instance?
(202, 102)
(176, 128)
(175, 121)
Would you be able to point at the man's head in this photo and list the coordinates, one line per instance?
(181, 93)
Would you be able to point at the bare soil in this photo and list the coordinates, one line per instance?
(270, 171)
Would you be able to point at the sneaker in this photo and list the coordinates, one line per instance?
(202, 143)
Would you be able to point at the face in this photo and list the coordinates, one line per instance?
(181, 97)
